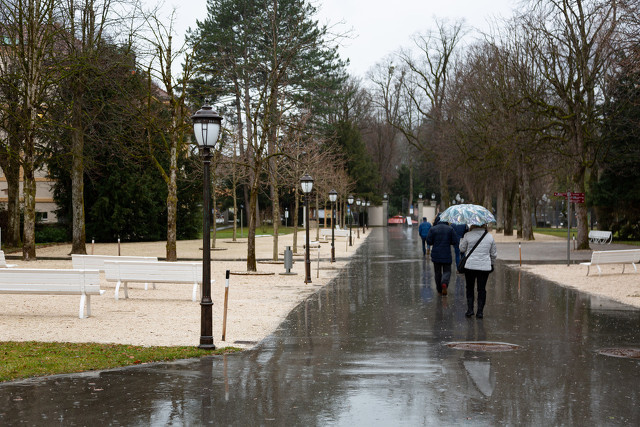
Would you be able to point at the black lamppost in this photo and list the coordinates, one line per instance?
(349, 203)
(206, 127)
(307, 185)
(333, 197)
(358, 203)
(367, 218)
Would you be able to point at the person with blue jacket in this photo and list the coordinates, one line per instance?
(460, 229)
(441, 237)
(423, 230)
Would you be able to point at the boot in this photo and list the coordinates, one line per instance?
(469, 312)
(481, 301)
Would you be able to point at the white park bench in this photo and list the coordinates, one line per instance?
(598, 236)
(53, 282)
(124, 272)
(325, 233)
(96, 262)
(624, 256)
(3, 261)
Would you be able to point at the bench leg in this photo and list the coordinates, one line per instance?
(588, 267)
(195, 292)
(126, 291)
(84, 299)
(634, 267)
(88, 305)
(117, 290)
(599, 271)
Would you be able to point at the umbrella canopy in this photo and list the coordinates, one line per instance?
(467, 214)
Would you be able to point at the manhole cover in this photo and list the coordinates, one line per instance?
(483, 346)
(628, 353)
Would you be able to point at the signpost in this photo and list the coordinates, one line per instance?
(571, 198)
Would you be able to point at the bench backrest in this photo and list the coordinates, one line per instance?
(599, 234)
(624, 255)
(154, 272)
(47, 281)
(96, 262)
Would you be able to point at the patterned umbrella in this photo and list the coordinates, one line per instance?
(467, 214)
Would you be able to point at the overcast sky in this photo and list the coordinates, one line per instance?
(377, 27)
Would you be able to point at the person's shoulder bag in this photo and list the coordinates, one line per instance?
(466, 256)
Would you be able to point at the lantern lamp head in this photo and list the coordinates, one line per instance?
(333, 196)
(206, 126)
(307, 183)
(350, 199)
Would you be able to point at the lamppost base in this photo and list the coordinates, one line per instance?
(206, 343)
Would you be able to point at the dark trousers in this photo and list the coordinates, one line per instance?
(424, 246)
(480, 277)
(442, 273)
(456, 249)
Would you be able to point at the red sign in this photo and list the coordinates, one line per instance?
(575, 197)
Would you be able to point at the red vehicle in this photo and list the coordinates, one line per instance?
(398, 219)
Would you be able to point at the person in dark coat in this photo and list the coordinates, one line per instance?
(423, 230)
(441, 237)
(460, 229)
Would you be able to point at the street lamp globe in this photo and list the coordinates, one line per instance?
(333, 196)
(358, 201)
(433, 196)
(306, 182)
(206, 126)
(350, 199)
(420, 196)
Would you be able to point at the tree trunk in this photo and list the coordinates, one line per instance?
(295, 219)
(29, 198)
(78, 241)
(525, 200)
(251, 242)
(509, 208)
(500, 208)
(12, 172)
(172, 203)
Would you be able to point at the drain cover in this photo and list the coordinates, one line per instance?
(482, 346)
(628, 353)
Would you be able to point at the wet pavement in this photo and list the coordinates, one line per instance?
(375, 348)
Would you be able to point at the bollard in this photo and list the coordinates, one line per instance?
(93, 242)
(288, 261)
(226, 299)
(118, 245)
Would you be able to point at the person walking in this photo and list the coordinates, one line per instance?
(460, 229)
(478, 266)
(423, 230)
(441, 237)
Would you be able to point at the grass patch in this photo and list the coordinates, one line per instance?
(33, 359)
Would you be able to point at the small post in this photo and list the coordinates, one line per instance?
(118, 245)
(226, 299)
(318, 269)
(93, 243)
(568, 228)
(520, 250)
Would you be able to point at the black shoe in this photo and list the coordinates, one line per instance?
(444, 289)
(479, 315)
(469, 313)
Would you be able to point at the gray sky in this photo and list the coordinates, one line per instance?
(378, 27)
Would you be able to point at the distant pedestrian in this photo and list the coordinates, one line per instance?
(441, 237)
(478, 265)
(460, 229)
(423, 231)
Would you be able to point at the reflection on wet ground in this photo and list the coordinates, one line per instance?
(371, 349)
